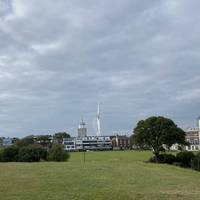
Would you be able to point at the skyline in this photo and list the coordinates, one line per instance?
(137, 58)
(94, 127)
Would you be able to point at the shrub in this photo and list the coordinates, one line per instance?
(154, 160)
(1, 157)
(58, 154)
(42, 152)
(9, 154)
(164, 158)
(169, 158)
(195, 162)
(32, 153)
(198, 155)
(184, 158)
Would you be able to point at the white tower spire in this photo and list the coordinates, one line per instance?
(98, 121)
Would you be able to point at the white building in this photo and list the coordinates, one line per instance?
(192, 136)
(7, 141)
(88, 143)
(69, 144)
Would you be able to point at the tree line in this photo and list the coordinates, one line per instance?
(36, 148)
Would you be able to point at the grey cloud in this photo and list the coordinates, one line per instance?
(58, 59)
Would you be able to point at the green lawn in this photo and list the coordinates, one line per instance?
(104, 175)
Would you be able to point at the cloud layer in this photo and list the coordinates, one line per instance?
(59, 59)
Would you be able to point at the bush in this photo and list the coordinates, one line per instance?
(195, 163)
(9, 154)
(154, 160)
(164, 158)
(184, 158)
(42, 152)
(58, 154)
(32, 153)
(169, 158)
(1, 150)
(1, 157)
(198, 155)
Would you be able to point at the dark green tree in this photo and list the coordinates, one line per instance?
(61, 135)
(32, 153)
(44, 140)
(58, 137)
(155, 132)
(25, 141)
(9, 154)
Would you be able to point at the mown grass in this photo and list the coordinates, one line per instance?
(104, 175)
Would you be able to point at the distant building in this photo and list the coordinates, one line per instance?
(70, 144)
(192, 136)
(88, 143)
(14, 140)
(7, 141)
(96, 143)
(44, 140)
(82, 130)
(120, 142)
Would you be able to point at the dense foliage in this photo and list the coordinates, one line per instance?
(61, 135)
(58, 154)
(33, 153)
(164, 158)
(182, 159)
(25, 141)
(185, 158)
(9, 154)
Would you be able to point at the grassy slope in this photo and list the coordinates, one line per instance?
(105, 175)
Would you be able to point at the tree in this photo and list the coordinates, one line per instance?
(44, 140)
(25, 141)
(9, 154)
(58, 137)
(57, 153)
(32, 153)
(155, 132)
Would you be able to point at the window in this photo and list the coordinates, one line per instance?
(192, 147)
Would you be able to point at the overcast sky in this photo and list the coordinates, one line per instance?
(58, 59)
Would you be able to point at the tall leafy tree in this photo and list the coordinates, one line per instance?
(58, 137)
(154, 132)
(61, 135)
(44, 140)
(25, 141)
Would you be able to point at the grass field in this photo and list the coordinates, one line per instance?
(104, 175)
